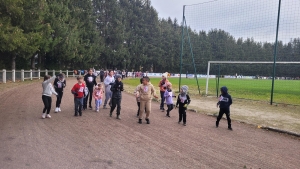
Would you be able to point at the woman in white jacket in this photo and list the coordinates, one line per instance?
(47, 93)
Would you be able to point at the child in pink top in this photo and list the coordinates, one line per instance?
(97, 94)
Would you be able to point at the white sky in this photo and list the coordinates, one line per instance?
(241, 18)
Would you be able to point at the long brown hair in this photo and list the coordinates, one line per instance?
(46, 77)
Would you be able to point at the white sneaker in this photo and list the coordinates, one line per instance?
(56, 110)
(48, 116)
(44, 115)
(59, 109)
(97, 110)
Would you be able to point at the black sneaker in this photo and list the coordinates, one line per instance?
(217, 124)
(80, 113)
(90, 107)
(179, 122)
(229, 128)
(148, 121)
(75, 114)
(110, 114)
(140, 121)
(184, 124)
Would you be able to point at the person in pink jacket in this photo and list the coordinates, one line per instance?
(98, 94)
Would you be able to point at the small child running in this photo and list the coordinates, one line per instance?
(46, 96)
(183, 101)
(98, 94)
(169, 98)
(78, 91)
(224, 103)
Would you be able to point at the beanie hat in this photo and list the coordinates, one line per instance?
(118, 76)
(165, 75)
(184, 89)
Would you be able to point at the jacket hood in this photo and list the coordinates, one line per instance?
(224, 89)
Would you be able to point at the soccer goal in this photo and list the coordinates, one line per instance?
(254, 78)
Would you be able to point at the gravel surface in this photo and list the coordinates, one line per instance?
(96, 140)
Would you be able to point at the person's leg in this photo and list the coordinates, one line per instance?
(61, 95)
(75, 106)
(139, 105)
(148, 110)
(118, 108)
(80, 106)
(45, 101)
(227, 113)
(142, 109)
(221, 112)
(180, 111)
(184, 116)
(107, 97)
(162, 100)
(113, 106)
(96, 105)
(49, 104)
(90, 96)
(57, 99)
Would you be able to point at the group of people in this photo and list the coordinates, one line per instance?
(87, 88)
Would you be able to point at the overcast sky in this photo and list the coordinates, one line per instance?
(241, 18)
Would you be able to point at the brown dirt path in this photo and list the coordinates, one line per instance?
(97, 141)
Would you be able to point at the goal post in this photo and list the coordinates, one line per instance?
(238, 62)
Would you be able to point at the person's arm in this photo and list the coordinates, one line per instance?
(177, 102)
(188, 99)
(121, 87)
(230, 100)
(55, 83)
(153, 92)
(64, 84)
(106, 81)
(50, 80)
(52, 90)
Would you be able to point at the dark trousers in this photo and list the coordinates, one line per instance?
(59, 97)
(182, 114)
(101, 78)
(139, 106)
(227, 113)
(89, 97)
(116, 102)
(170, 107)
(78, 102)
(47, 100)
(162, 99)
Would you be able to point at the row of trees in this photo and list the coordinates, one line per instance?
(122, 34)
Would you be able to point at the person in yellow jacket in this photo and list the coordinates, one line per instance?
(145, 90)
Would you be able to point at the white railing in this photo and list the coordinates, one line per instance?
(14, 75)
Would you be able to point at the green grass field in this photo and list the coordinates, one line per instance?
(285, 91)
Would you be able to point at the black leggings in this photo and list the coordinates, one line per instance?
(59, 97)
(47, 100)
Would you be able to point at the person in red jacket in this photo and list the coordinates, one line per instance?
(78, 91)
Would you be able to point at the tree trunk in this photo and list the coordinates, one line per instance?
(33, 62)
(40, 61)
(13, 61)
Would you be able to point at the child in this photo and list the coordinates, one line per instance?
(116, 89)
(183, 101)
(169, 98)
(162, 86)
(98, 93)
(78, 91)
(137, 95)
(224, 103)
(146, 90)
(46, 96)
(59, 85)
(90, 81)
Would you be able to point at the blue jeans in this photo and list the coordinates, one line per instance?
(98, 104)
(78, 102)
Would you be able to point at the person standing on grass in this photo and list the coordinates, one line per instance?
(146, 90)
(48, 90)
(107, 82)
(59, 85)
(90, 81)
(183, 100)
(98, 94)
(169, 98)
(162, 87)
(116, 89)
(78, 91)
(224, 103)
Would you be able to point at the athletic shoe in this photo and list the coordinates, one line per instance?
(104, 107)
(110, 114)
(179, 122)
(90, 107)
(229, 128)
(48, 116)
(118, 117)
(217, 124)
(140, 121)
(148, 121)
(97, 110)
(59, 109)
(44, 115)
(184, 124)
(56, 110)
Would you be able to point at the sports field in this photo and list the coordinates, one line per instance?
(285, 91)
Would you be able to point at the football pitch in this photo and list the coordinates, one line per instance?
(285, 91)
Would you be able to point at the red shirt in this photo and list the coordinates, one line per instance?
(79, 89)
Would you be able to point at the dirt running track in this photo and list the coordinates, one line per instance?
(97, 141)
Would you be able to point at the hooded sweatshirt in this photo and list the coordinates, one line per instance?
(169, 96)
(225, 99)
(90, 80)
(145, 91)
(48, 88)
(183, 98)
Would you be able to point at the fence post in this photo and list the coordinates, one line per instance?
(46, 72)
(67, 73)
(60, 71)
(39, 73)
(73, 74)
(53, 73)
(13, 74)
(22, 75)
(4, 76)
(30, 74)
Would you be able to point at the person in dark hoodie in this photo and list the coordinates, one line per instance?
(90, 82)
(116, 89)
(59, 85)
(224, 103)
(183, 100)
